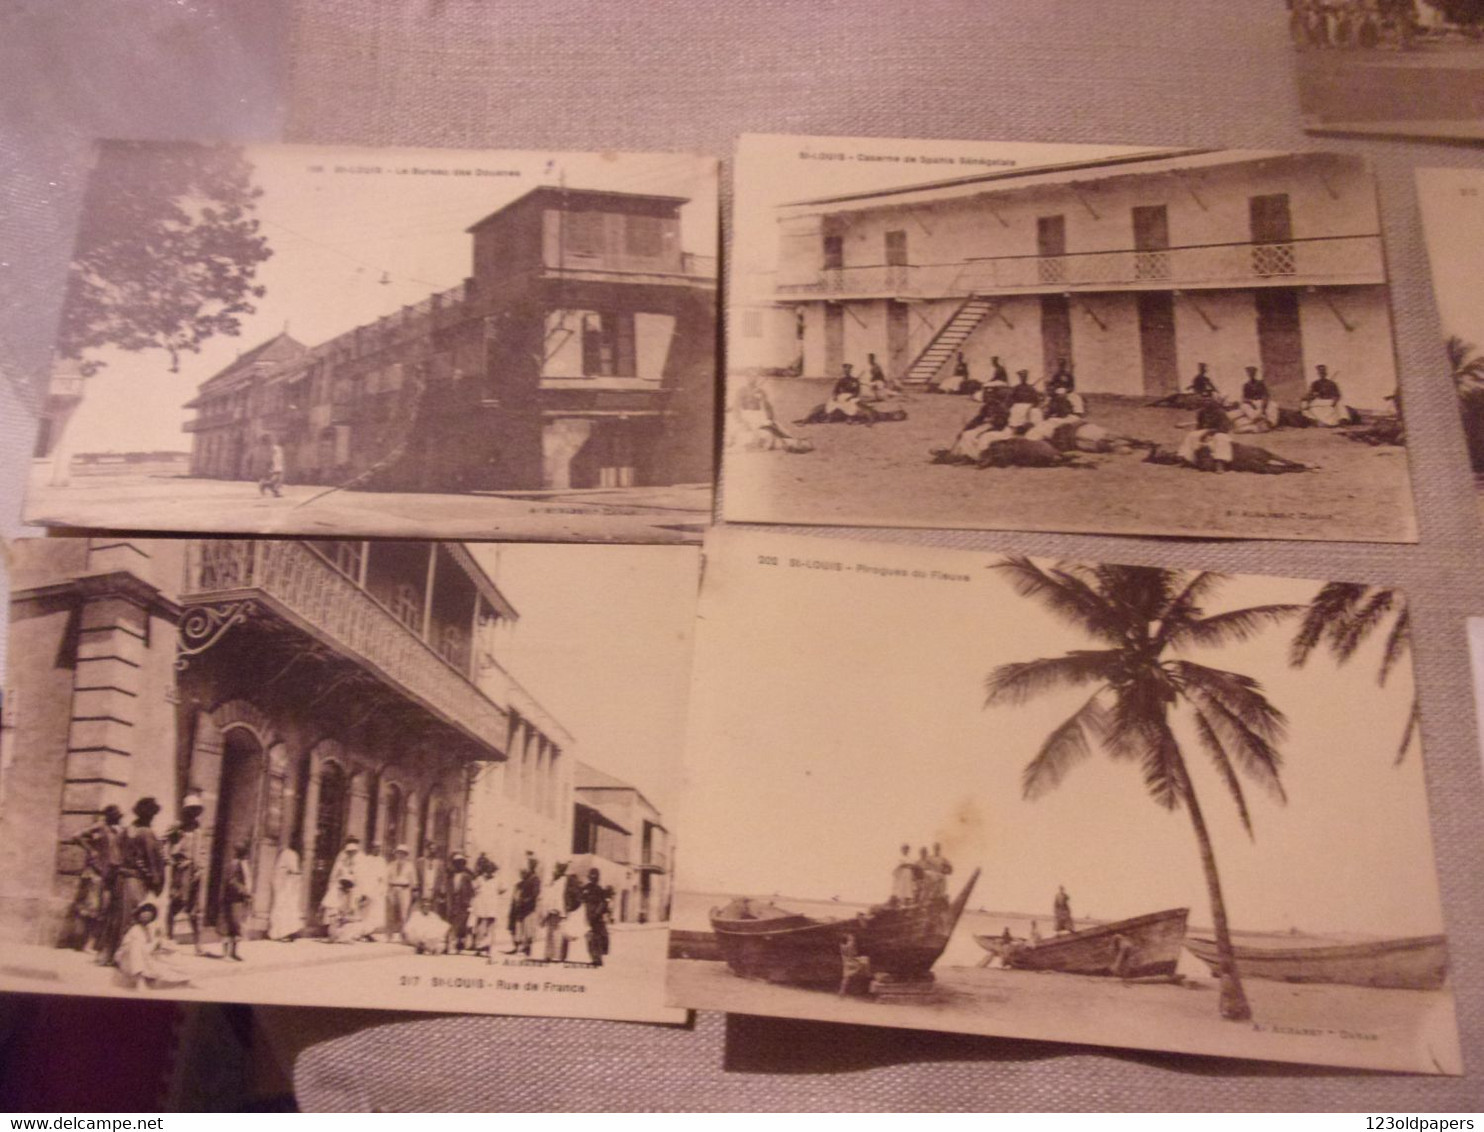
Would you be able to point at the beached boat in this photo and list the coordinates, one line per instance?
(1419, 963)
(760, 940)
(1143, 947)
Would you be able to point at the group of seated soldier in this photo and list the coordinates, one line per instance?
(1322, 405)
(855, 401)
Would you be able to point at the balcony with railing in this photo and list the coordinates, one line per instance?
(690, 270)
(295, 582)
(1325, 260)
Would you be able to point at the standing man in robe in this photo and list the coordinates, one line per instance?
(100, 847)
(401, 881)
(430, 878)
(460, 898)
(1061, 909)
(904, 878)
(140, 876)
(184, 844)
(596, 899)
(373, 878)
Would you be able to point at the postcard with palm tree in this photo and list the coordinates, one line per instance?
(1452, 203)
(1137, 806)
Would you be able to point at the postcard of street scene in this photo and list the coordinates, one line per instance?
(1053, 337)
(1452, 206)
(1121, 805)
(1397, 68)
(395, 774)
(412, 343)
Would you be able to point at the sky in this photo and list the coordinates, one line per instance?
(336, 236)
(838, 714)
(1452, 203)
(604, 644)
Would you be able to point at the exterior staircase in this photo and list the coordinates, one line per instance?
(944, 344)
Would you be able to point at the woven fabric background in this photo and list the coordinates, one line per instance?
(677, 74)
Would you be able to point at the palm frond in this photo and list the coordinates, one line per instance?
(1160, 766)
(1329, 610)
(1253, 747)
(1366, 619)
(1211, 740)
(1066, 592)
(1398, 644)
(1185, 605)
(1232, 627)
(1064, 748)
(1414, 723)
(1240, 695)
(1018, 682)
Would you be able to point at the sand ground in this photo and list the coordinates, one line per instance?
(311, 972)
(883, 476)
(179, 503)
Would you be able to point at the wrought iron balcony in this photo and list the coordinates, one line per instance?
(290, 579)
(1329, 260)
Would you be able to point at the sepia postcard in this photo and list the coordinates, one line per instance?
(1391, 68)
(1057, 337)
(414, 343)
(395, 774)
(1452, 206)
(1121, 805)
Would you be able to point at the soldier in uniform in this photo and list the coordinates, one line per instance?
(183, 847)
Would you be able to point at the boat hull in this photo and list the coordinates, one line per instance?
(768, 943)
(1150, 948)
(1419, 963)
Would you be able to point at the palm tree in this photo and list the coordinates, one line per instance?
(1144, 618)
(1468, 381)
(1344, 615)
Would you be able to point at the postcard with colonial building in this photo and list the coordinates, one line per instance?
(401, 774)
(1452, 204)
(418, 343)
(1052, 337)
(1397, 68)
(1128, 806)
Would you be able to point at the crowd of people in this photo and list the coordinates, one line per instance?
(135, 885)
(922, 879)
(446, 905)
(1331, 24)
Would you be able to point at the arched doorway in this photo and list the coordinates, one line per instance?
(237, 809)
(393, 827)
(329, 827)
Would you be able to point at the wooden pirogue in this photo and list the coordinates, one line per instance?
(759, 940)
(1417, 963)
(1141, 947)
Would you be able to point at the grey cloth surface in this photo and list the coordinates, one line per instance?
(670, 75)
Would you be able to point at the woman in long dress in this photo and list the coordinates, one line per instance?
(286, 916)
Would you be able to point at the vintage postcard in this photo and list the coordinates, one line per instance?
(1452, 205)
(1128, 806)
(1397, 68)
(1053, 337)
(415, 343)
(407, 775)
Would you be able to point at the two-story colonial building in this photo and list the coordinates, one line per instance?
(308, 690)
(1134, 269)
(579, 353)
(617, 830)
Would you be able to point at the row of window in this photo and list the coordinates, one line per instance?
(1269, 222)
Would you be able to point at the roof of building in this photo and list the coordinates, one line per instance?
(585, 196)
(598, 817)
(1143, 163)
(280, 348)
(585, 777)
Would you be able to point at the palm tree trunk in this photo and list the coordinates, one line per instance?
(1234, 1006)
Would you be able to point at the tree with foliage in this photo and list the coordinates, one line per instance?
(1343, 616)
(1144, 619)
(167, 251)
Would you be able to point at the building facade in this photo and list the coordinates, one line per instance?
(579, 353)
(1135, 269)
(618, 831)
(308, 690)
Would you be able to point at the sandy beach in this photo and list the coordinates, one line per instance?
(1360, 1027)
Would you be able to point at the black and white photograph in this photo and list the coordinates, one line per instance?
(1062, 338)
(1389, 68)
(397, 774)
(1452, 206)
(1136, 806)
(412, 343)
